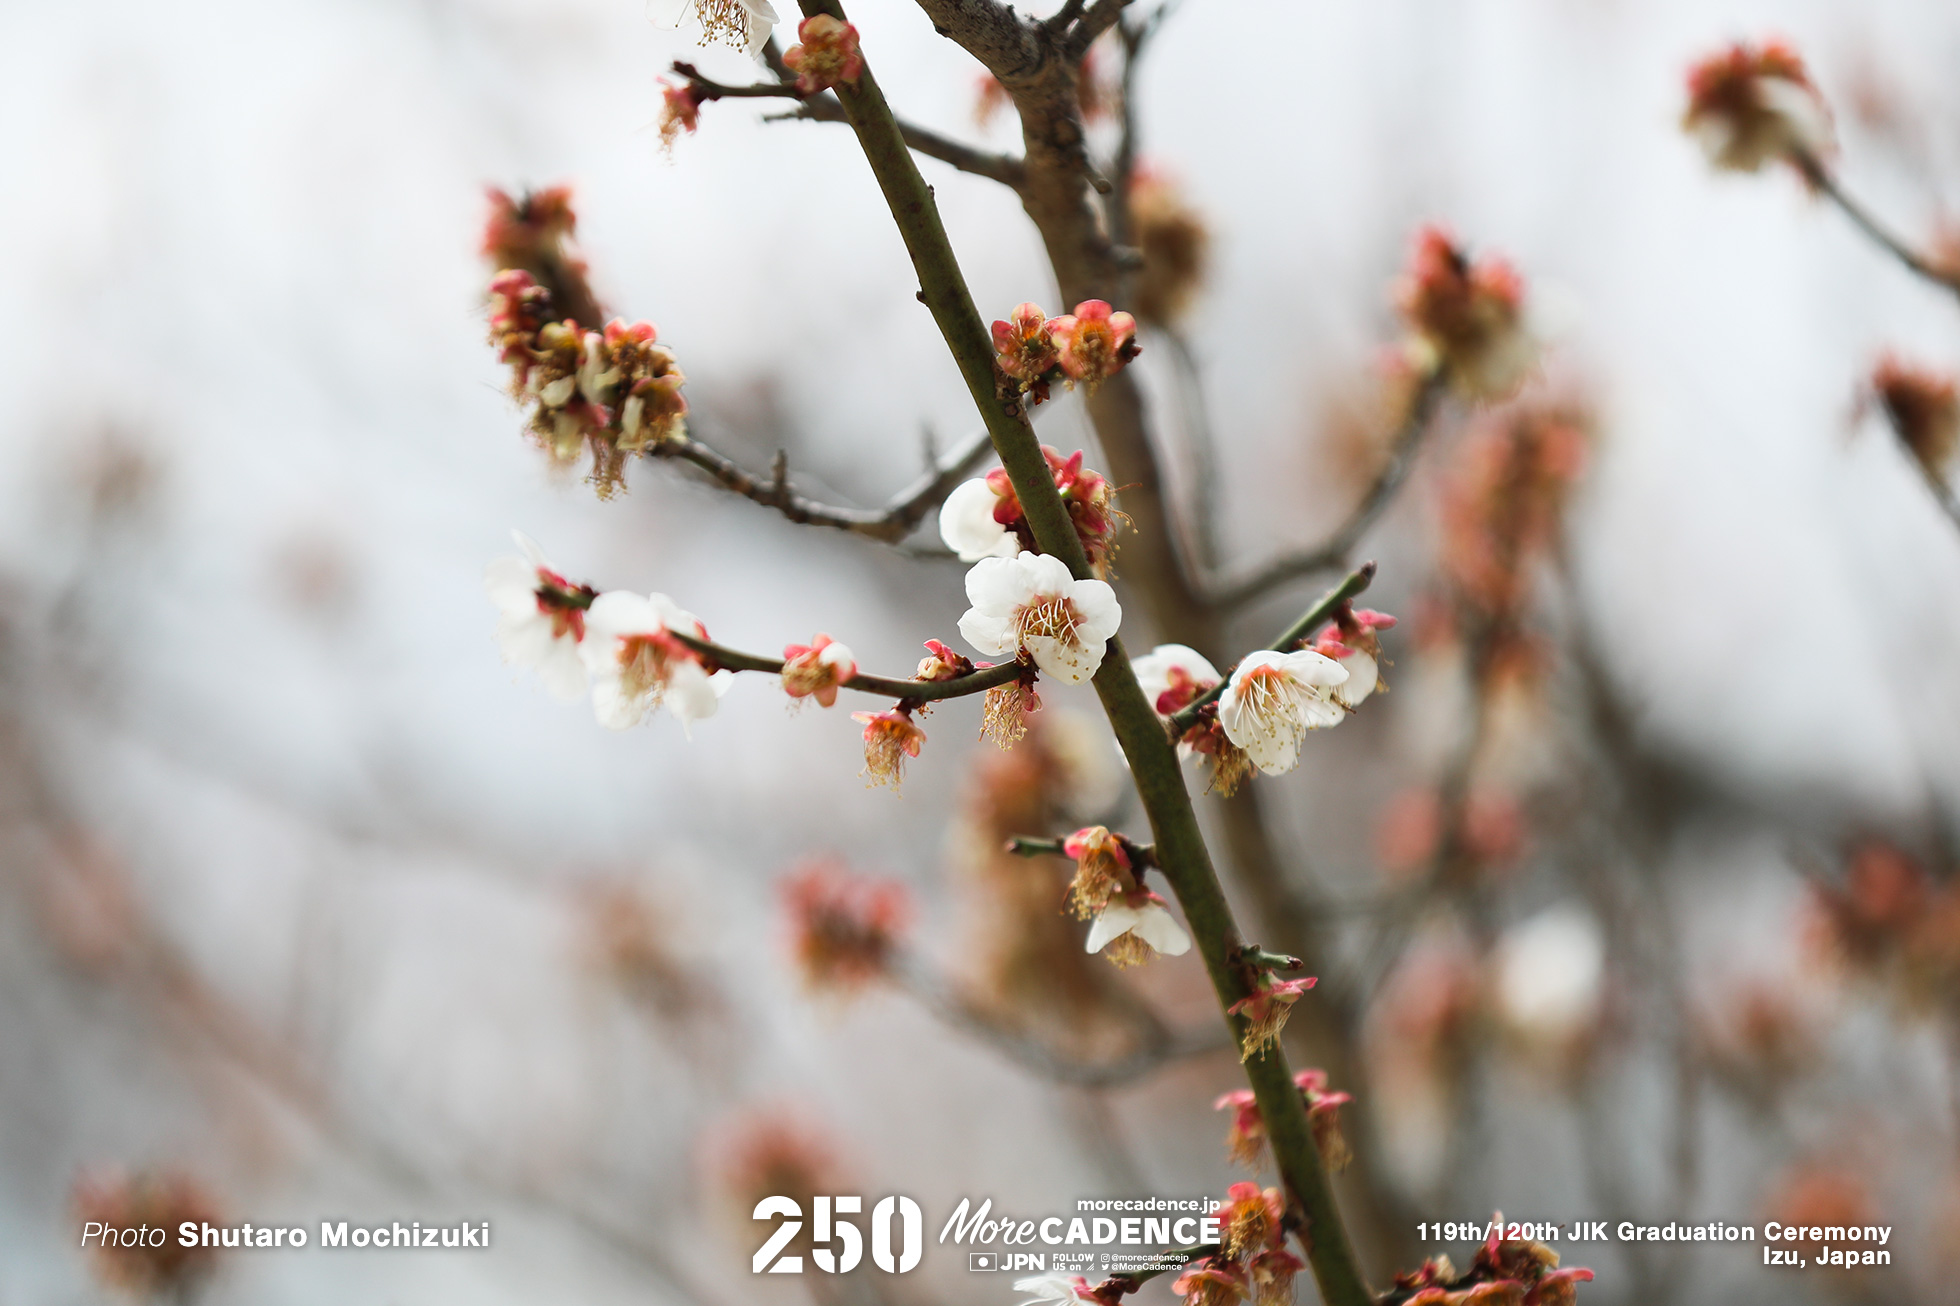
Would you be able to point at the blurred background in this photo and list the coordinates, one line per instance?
(1633, 897)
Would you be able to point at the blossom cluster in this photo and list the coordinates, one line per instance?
(1245, 1141)
(1132, 924)
(618, 645)
(1504, 504)
(1891, 922)
(1273, 697)
(1467, 318)
(1750, 105)
(1086, 347)
(1252, 1262)
(983, 517)
(1504, 1272)
(613, 391)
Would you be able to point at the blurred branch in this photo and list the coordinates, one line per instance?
(1098, 18)
(1825, 182)
(1159, 1046)
(1334, 551)
(905, 691)
(889, 524)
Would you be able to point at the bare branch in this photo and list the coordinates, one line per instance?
(989, 31)
(889, 524)
(1003, 168)
(903, 690)
(1101, 16)
(1826, 183)
(709, 89)
(1333, 551)
(1067, 14)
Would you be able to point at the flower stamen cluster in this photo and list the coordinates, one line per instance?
(1245, 1141)
(817, 670)
(890, 737)
(1266, 1010)
(1505, 1272)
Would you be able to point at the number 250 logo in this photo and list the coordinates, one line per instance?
(828, 1223)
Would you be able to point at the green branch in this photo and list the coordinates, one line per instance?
(1181, 851)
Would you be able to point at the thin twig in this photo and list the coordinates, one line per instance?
(904, 690)
(1334, 550)
(1826, 183)
(891, 523)
(1099, 18)
(706, 88)
(1323, 608)
(1003, 168)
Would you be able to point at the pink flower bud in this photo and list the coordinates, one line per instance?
(1093, 343)
(942, 663)
(1750, 105)
(817, 669)
(827, 56)
(1025, 351)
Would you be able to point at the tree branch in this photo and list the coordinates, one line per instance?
(889, 524)
(905, 691)
(1101, 16)
(1181, 851)
(1334, 550)
(1323, 608)
(707, 88)
(1003, 168)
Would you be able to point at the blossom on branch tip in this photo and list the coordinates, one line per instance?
(637, 665)
(541, 617)
(1212, 1281)
(1245, 1141)
(970, 526)
(828, 54)
(1751, 105)
(1923, 407)
(1266, 1010)
(1134, 928)
(1093, 343)
(680, 111)
(1273, 699)
(1468, 317)
(1323, 1116)
(1172, 676)
(1351, 639)
(817, 669)
(744, 24)
(942, 663)
(1032, 604)
(1251, 1219)
(889, 738)
(1103, 869)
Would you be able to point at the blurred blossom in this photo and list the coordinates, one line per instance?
(1550, 981)
(1761, 1035)
(158, 1200)
(1408, 833)
(1468, 317)
(1819, 1193)
(771, 1151)
(1889, 922)
(844, 927)
(1923, 408)
(1173, 240)
(1750, 105)
(1505, 493)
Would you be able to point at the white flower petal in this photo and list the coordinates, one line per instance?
(1048, 574)
(1066, 660)
(1362, 676)
(990, 634)
(836, 655)
(512, 584)
(999, 586)
(614, 707)
(1100, 614)
(1153, 670)
(1047, 1290)
(1158, 928)
(1310, 668)
(563, 671)
(1116, 919)
(967, 525)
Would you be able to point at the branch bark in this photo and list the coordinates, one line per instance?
(903, 690)
(1181, 849)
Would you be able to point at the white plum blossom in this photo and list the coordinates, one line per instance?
(636, 665)
(1142, 916)
(1032, 603)
(744, 23)
(1363, 674)
(1551, 976)
(1171, 675)
(967, 525)
(1274, 698)
(541, 617)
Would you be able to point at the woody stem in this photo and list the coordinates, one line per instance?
(1180, 844)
